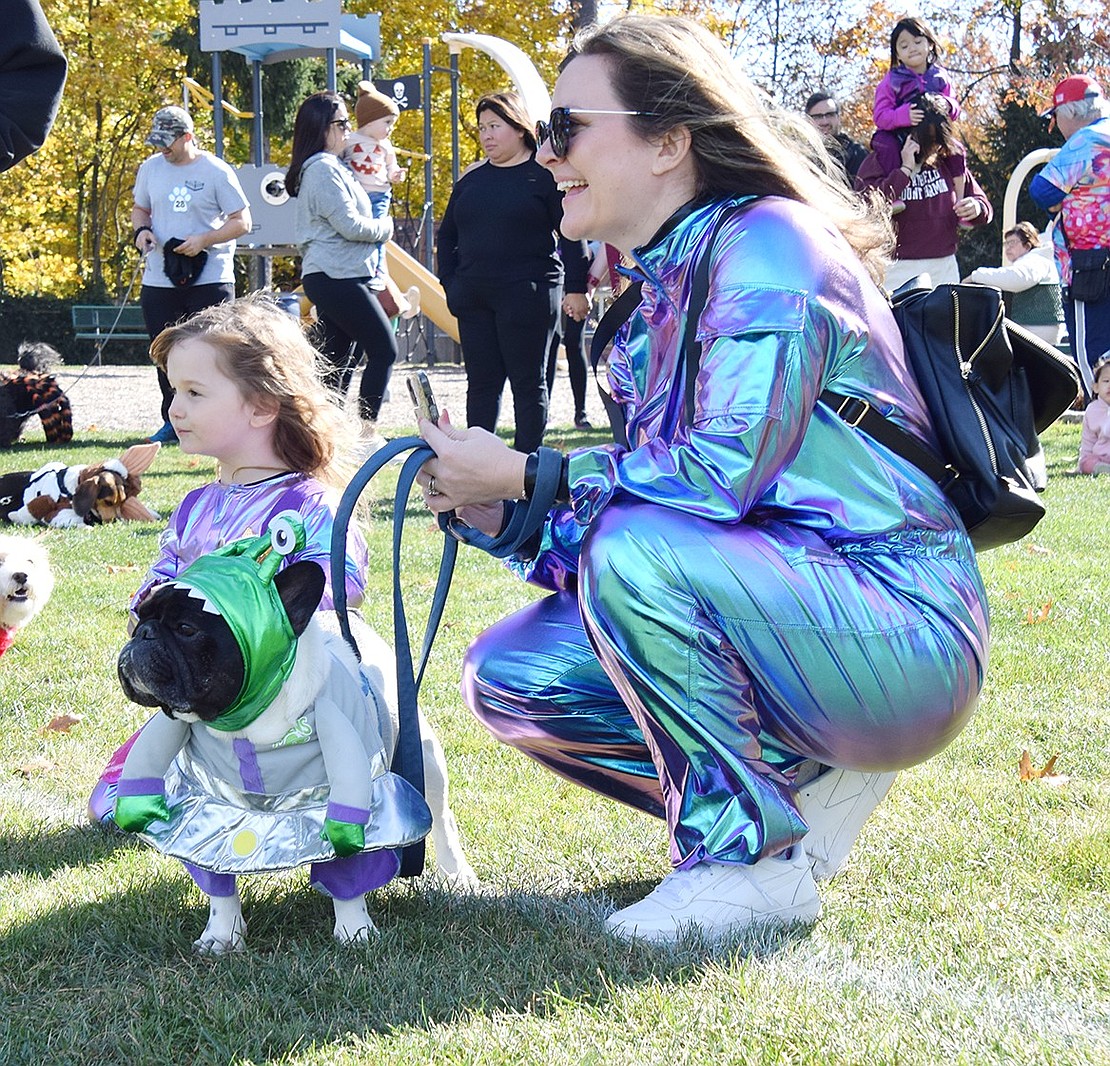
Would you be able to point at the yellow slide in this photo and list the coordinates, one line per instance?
(407, 271)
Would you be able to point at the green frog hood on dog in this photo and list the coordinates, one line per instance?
(237, 582)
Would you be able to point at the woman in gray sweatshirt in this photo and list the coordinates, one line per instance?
(341, 250)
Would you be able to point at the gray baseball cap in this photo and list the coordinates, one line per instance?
(169, 124)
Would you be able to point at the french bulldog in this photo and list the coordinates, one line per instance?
(185, 658)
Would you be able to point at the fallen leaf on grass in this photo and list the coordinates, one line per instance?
(35, 766)
(1036, 549)
(129, 568)
(1032, 619)
(61, 723)
(1046, 774)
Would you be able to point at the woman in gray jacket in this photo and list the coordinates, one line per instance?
(341, 250)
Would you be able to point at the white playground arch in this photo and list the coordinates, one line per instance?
(526, 79)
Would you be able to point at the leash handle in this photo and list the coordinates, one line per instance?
(523, 518)
(408, 760)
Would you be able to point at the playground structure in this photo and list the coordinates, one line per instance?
(272, 31)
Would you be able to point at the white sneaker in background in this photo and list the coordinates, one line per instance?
(717, 898)
(835, 807)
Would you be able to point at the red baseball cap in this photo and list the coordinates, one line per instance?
(1072, 89)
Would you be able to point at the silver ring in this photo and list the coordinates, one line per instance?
(432, 490)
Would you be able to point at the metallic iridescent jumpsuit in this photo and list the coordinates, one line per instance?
(763, 587)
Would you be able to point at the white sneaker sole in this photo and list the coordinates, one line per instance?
(835, 806)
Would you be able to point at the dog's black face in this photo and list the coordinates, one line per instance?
(186, 660)
(181, 658)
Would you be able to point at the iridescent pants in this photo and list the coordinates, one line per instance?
(701, 663)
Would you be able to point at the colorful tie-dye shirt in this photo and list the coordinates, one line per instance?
(1081, 170)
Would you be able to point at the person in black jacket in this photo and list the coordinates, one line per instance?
(497, 262)
(824, 112)
(32, 73)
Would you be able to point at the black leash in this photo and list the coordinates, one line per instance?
(523, 518)
(95, 356)
(408, 759)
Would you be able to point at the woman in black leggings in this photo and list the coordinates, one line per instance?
(341, 247)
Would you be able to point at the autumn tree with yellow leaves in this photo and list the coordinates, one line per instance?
(65, 226)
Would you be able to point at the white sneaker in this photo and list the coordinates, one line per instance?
(835, 806)
(717, 898)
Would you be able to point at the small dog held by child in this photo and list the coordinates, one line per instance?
(26, 582)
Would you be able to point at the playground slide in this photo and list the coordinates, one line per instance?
(406, 271)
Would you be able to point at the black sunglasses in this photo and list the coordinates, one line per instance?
(558, 128)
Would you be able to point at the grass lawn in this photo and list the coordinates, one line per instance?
(973, 925)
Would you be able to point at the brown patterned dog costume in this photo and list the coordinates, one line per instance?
(32, 390)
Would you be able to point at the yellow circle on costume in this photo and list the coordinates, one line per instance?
(244, 842)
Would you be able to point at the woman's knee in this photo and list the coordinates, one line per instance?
(627, 554)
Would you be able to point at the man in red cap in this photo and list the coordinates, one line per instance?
(1076, 185)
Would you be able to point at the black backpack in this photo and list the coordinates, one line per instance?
(989, 387)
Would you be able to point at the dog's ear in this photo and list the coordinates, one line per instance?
(138, 457)
(84, 499)
(300, 586)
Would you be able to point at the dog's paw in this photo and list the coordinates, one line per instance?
(353, 924)
(461, 879)
(219, 938)
(362, 935)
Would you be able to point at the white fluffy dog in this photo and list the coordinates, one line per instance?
(26, 582)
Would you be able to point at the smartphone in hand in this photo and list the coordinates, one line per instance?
(423, 399)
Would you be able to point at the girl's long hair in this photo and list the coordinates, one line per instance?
(310, 134)
(918, 29)
(263, 349)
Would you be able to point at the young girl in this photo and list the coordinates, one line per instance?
(1094, 443)
(248, 392)
(928, 176)
(913, 71)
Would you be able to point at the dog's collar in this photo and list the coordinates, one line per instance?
(7, 639)
(237, 582)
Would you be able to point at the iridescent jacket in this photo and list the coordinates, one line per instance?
(791, 311)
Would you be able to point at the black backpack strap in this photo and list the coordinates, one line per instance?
(699, 294)
(860, 414)
(619, 312)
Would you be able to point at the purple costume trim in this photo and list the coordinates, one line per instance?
(143, 786)
(342, 812)
(249, 770)
(341, 879)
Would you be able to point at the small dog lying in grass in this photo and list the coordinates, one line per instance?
(26, 583)
(67, 497)
(271, 752)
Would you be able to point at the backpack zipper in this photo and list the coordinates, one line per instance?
(966, 366)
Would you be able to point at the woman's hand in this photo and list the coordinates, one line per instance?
(968, 209)
(576, 305)
(472, 467)
(909, 153)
